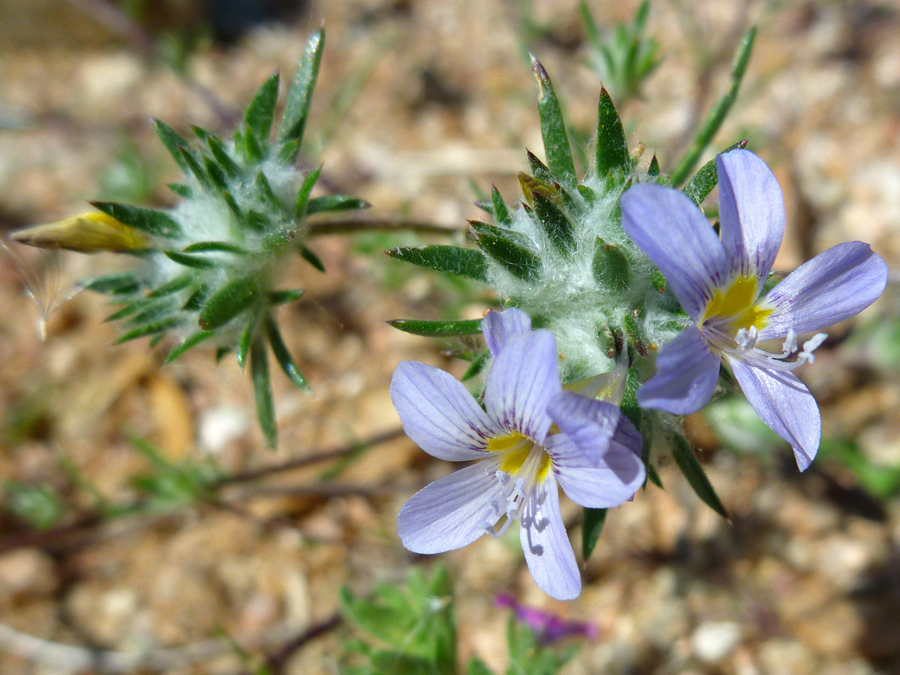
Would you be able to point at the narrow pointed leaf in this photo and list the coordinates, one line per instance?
(517, 260)
(460, 262)
(555, 223)
(310, 256)
(174, 285)
(612, 148)
(265, 192)
(173, 142)
(181, 190)
(591, 527)
(296, 110)
(151, 221)
(653, 169)
(119, 283)
(188, 343)
(553, 128)
(696, 477)
(284, 297)
(539, 170)
(229, 166)
(261, 111)
(477, 365)
(215, 246)
(283, 356)
(262, 390)
(438, 328)
(309, 181)
(188, 260)
(216, 175)
(150, 329)
(243, 346)
(719, 111)
(707, 177)
(335, 203)
(229, 301)
(501, 210)
(135, 307)
(196, 169)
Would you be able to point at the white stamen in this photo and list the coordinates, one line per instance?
(806, 356)
(790, 343)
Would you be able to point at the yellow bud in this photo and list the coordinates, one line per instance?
(86, 233)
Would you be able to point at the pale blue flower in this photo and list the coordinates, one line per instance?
(718, 280)
(595, 456)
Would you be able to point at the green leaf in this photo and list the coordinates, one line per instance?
(284, 297)
(215, 246)
(309, 256)
(160, 326)
(262, 390)
(719, 111)
(188, 260)
(132, 308)
(696, 477)
(612, 148)
(500, 209)
(610, 267)
(118, 283)
(243, 346)
(518, 261)
(555, 222)
(335, 203)
(261, 111)
(539, 170)
(283, 356)
(296, 110)
(174, 285)
(215, 173)
(230, 300)
(438, 328)
(186, 344)
(229, 166)
(592, 526)
(477, 365)
(266, 194)
(151, 221)
(181, 190)
(174, 143)
(553, 128)
(460, 262)
(653, 169)
(303, 193)
(706, 178)
(197, 170)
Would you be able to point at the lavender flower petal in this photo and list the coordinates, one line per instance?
(613, 481)
(833, 286)
(438, 414)
(451, 512)
(521, 382)
(751, 213)
(546, 546)
(498, 327)
(589, 423)
(686, 374)
(673, 233)
(784, 403)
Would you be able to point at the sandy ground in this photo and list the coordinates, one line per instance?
(804, 577)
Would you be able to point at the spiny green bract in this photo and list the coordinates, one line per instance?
(213, 261)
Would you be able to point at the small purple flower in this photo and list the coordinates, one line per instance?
(595, 456)
(718, 281)
(547, 627)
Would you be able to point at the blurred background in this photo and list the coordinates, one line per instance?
(141, 512)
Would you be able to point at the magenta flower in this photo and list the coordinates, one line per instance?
(595, 456)
(718, 281)
(547, 627)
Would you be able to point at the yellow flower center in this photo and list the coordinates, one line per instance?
(517, 449)
(736, 306)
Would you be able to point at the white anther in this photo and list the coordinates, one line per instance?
(790, 343)
(806, 356)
